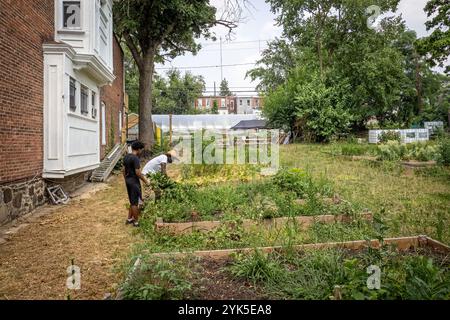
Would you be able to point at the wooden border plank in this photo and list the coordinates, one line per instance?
(304, 222)
(402, 243)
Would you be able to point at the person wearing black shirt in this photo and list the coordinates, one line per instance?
(132, 174)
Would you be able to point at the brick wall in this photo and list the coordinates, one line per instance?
(24, 26)
(113, 97)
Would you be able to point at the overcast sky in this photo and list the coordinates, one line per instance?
(250, 39)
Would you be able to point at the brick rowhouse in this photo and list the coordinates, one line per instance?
(26, 27)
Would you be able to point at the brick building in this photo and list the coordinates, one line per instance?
(249, 104)
(231, 104)
(226, 105)
(61, 88)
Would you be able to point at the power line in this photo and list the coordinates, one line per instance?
(234, 91)
(234, 42)
(208, 67)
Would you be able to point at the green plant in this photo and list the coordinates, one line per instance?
(420, 151)
(315, 274)
(425, 280)
(158, 279)
(257, 267)
(354, 150)
(386, 136)
(295, 180)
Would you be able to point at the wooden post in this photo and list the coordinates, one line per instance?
(170, 129)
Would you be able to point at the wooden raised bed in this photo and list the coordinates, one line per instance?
(304, 222)
(402, 244)
(407, 164)
(419, 164)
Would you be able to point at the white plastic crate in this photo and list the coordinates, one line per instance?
(433, 125)
(407, 135)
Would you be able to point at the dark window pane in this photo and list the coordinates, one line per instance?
(84, 100)
(73, 92)
(94, 109)
(71, 14)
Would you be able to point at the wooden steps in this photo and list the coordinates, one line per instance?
(102, 173)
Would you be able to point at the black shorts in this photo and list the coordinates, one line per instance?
(134, 192)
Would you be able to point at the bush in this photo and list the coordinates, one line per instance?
(395, 151)
(386, 136)
(391, 151)
(295, 180)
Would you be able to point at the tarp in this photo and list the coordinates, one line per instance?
(250, 124)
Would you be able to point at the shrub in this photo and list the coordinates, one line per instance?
(295, 180)
(386, 136)
(391, 151)
(394, 151)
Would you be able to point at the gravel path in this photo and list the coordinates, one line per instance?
(90, 229)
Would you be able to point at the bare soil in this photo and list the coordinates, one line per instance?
(90, 229)
(214, 282)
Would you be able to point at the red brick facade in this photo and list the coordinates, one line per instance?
(113, 97)
(24, 26)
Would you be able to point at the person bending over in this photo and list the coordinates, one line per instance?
(133, 176)
(159, 164)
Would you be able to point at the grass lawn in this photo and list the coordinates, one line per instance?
(410, 201)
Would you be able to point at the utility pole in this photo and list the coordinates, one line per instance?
(215, 95)
(221, 60)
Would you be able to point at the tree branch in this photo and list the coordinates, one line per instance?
(134, 50)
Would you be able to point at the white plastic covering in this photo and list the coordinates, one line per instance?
(197, 122)
(407, 135)
(433, 125)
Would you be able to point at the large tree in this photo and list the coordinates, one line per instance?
(176, 93)
(155, 30)
(437, 45)
(225, 89)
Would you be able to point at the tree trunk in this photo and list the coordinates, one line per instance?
(146, 134)
(418, 84)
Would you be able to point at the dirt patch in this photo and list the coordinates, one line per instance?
(90, 230)
(214, 282)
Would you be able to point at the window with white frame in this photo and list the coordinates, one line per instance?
(200, 103)
(71, 15)
(208, 103)
(73, 95)
(94, 105)
(84, 100)
(104, 30)
(120, 123)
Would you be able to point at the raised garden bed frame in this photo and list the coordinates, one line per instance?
(402, 244)
(304, 222)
